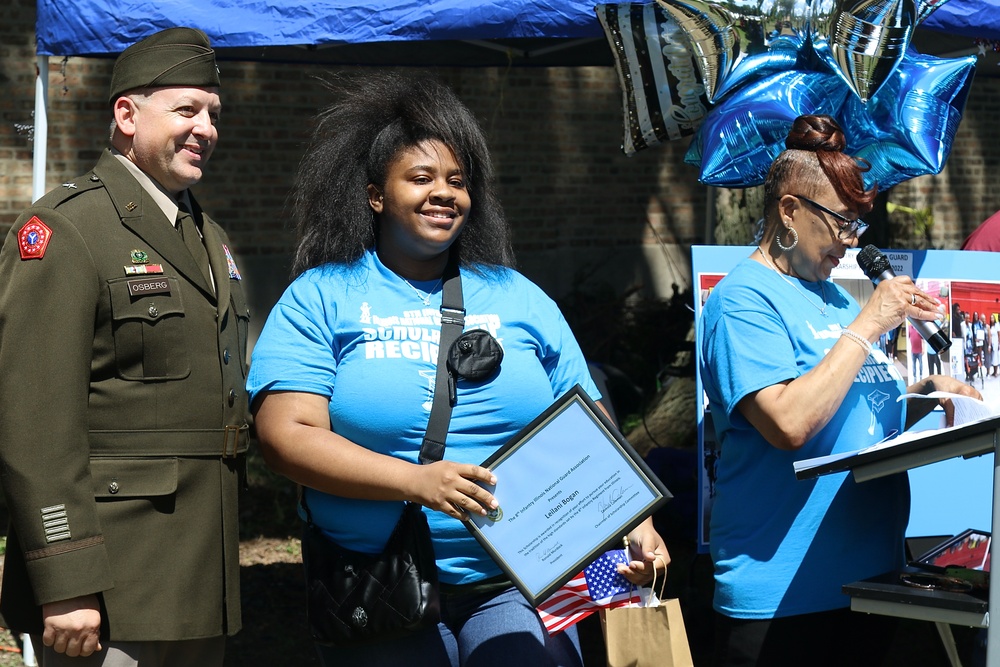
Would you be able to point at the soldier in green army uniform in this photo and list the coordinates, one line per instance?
(123, 426)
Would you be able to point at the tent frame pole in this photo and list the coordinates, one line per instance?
(40, 136)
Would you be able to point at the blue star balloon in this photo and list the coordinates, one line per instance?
(908, 128)
(904, 131)
(740, 138)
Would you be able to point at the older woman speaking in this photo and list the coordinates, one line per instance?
(789, 366)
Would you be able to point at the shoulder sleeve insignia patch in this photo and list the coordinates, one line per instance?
(33, 239)
(234, 272)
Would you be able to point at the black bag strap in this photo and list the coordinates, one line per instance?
(452, 324)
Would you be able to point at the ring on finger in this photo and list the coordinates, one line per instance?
(913, 299)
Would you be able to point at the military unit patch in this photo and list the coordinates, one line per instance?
(234, 272)
(33, 239)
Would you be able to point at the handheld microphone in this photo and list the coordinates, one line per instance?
(876, 266)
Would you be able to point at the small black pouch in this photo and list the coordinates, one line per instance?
(474, 355)
(357, 598)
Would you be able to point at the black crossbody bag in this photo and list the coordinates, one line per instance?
(356, 598)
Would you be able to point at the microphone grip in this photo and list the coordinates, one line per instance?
(930, 332)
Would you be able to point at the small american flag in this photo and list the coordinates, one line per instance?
(598, 586)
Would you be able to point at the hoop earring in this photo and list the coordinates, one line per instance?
(795, 239)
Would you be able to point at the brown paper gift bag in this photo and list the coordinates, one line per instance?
(647, 636)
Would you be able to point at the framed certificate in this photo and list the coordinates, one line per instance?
(569, 487)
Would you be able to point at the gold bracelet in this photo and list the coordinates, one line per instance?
(857, 338)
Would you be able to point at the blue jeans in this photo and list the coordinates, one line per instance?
(918, 366)
(495, 629)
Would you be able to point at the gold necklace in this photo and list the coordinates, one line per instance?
(822, 288)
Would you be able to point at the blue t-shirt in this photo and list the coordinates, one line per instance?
(359, 335)
(783, 546)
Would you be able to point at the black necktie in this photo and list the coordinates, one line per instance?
(192, 239)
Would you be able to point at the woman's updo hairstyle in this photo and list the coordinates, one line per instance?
(818, 141)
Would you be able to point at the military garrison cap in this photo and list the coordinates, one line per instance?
(171, 57)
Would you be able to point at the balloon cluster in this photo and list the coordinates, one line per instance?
(753, 66)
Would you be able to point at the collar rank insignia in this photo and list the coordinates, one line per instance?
(139, 257)
(69, 186)
(234, 272)
(33, 239)
(143, 268)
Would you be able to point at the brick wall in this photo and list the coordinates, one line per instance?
(17, 73)
(578, 206)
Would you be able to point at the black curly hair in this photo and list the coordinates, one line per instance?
(376, 115)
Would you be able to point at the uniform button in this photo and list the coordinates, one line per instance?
(225, 356)
(113, 488)
(153, 312)
(232, 397)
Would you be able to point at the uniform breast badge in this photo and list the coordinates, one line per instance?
(140, 264)
(33, 239)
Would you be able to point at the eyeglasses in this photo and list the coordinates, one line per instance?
(845, 226)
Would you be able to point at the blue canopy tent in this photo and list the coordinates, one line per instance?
(521, 31)
(979, 19)
(503, 30)
(388, 32)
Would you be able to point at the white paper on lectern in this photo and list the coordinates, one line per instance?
(967, 411)
(967, 408)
